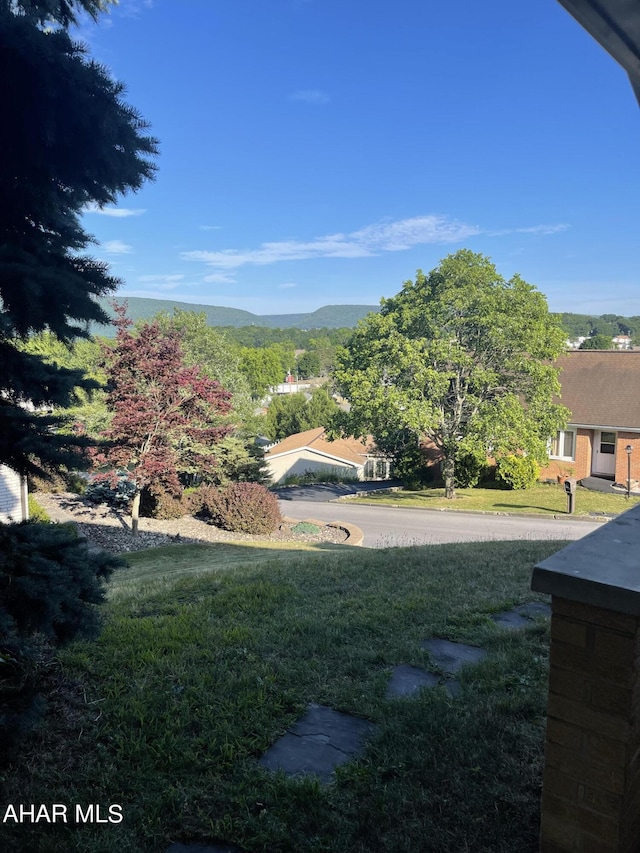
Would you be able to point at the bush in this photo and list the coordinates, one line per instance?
(305, 527)
(50, 586)
(36, 512)
(58, 481)
(114, 488)
(240, 507)
(470, 466)
(517, 472)
(164, 505)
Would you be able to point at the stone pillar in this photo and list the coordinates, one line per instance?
(591, 786)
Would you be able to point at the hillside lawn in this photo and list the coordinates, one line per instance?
(194, 677)
(540, 499)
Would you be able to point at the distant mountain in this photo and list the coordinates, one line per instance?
(329, 317)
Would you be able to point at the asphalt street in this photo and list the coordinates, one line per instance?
(387, 526)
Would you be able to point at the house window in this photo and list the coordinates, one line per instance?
(563, 445)
(608, 443)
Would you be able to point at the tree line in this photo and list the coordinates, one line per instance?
(606, 325)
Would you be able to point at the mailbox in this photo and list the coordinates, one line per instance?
(570, 489)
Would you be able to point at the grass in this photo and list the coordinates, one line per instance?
(542, 499)
(168, 711)
(153, 568)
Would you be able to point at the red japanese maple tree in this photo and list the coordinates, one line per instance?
(167, 418)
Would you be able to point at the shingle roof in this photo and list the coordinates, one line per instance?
(352, 450)
(601, 387)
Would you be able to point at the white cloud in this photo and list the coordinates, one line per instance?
(543, 229)
(117, 212)
(533, 229)
(310, 96)
(209, 227)
(287, 285)
(116, 247)
(161, 279)
(366, 242)
(220, 278)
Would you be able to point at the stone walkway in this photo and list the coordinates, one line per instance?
(323, 738)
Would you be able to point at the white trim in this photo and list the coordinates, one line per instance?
(312, 449)
(604, 427)
(565, 458)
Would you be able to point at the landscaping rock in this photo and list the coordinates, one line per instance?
(108, 528)
(451, 657)
(318, 743)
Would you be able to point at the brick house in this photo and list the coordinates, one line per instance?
(601, 388)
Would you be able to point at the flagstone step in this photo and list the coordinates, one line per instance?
(451, 657)
(523, 615)
(406, 681)
(318, 743)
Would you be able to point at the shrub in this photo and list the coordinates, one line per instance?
(241, 507)
(50, 586)
(163, 504)
(114, 488)
(50, 582)
(320, 476)
(470, 466)
(517, 472)
(305, 527)
(36, 512)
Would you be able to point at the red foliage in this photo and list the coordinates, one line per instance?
(167, 416)
(240, 507)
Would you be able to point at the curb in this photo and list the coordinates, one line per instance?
(556, 516)
(355, 536)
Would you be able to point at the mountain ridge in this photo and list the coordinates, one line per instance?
(328, 316)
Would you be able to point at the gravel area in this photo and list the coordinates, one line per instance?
(111, 529)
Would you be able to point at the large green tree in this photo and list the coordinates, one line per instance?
(291, 413)
(598, 342)
(460, 357)
(69, 140)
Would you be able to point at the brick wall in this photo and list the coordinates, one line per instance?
(624, 439)
(578, 468)
(591, 792)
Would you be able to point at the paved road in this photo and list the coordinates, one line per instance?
(387, 526)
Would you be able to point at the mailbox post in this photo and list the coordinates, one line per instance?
(570, 489)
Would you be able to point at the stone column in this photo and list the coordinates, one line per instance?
(591, 786)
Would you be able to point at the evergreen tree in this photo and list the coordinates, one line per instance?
(68, 141)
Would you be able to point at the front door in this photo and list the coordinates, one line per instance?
(604, 453)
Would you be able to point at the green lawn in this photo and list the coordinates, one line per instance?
(168, 712)
(543, 499)
(152, 569)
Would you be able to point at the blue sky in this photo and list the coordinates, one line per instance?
(319, 151)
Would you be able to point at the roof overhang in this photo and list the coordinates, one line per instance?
(615, 24)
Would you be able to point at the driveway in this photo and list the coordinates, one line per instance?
(387, 526)
(330, 491)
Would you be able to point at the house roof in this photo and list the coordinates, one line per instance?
(351, 450)
(601, 387)
(616, 25)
